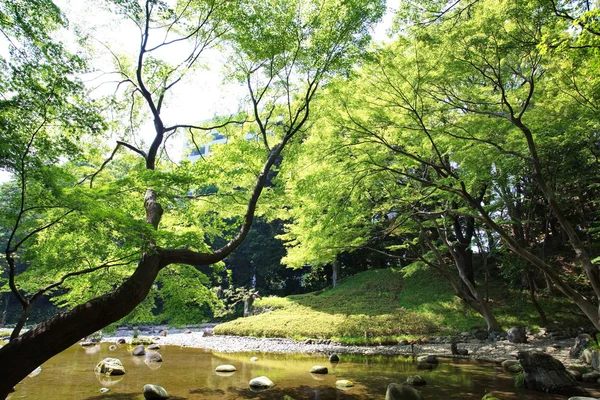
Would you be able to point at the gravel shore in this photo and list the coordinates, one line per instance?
(478, 350)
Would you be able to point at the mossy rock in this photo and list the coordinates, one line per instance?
(144, 340)
(110, 367)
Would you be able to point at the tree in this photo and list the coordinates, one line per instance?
(282, 50)
(448, 128)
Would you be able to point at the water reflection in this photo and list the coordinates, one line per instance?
(108, 381)
(190, 374)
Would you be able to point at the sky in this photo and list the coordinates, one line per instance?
(200, 98)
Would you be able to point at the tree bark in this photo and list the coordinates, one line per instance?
(536, 304)
(336, 271)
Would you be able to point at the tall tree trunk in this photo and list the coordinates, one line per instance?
(336, 271)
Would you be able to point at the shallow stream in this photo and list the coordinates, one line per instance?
(188, 373)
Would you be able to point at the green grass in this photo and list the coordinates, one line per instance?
(387, 305)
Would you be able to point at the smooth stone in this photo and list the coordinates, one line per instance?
(121, 341)
(319, 369)
(344, 383)
(415, 380)
(153, 356)
(104, 390)
(261, 382)
(334, 358)
(154, 346)
(112, 347)
(110, 366)
(154, 392)
(139, 351)
(225, 368)
(402, 392)
(254, 359)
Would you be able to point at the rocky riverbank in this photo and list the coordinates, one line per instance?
(489, 350)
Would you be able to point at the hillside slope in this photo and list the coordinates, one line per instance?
(386, 305)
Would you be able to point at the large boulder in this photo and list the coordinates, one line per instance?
(154, 392)
(402, 392)
(581, 343)
(517, 335)
(544, 373)
(262, 382)
(110, 366)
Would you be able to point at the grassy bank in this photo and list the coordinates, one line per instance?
(387, 305)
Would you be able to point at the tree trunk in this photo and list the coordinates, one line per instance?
(336, 271)
(21, 323)
(536, 304)
(24, 354)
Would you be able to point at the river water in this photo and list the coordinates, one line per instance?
(188, 373)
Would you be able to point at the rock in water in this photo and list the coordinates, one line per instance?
(154, 392)
(344, 383)
(153, 356)
(110, 367)
(544, 373)
(254, 359)
(262, 382)
(154, 346)
(139, 350)
(402, 392)
(318, 369)
(334, 358)
(581, 343)
(226, 368)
